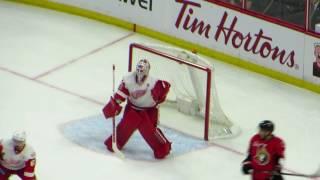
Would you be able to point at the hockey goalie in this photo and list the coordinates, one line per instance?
(143, 94)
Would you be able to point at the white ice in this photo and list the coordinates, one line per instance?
(55, 68)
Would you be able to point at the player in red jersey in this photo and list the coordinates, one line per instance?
(264, 154)
(143, 94)
(17, 158)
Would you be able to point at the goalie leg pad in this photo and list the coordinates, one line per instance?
(153, 135)
(164, 149)
(128, 124)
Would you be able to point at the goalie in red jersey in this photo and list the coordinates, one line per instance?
(143, 94)
(264, 154)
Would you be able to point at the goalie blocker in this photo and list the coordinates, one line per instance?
(143, 94)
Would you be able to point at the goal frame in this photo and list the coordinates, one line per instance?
(181, 61)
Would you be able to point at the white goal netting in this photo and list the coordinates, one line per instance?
(193, 93)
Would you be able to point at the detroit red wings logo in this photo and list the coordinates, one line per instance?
(139, 93)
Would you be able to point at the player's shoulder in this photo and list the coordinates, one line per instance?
(6, 142)
(29, 152)
(278, 139)
(255, 137)
(129, 74)
(128, 77)
(153, 79)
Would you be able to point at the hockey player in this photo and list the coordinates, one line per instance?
(264, 154)
(17, 158)
(143, 94)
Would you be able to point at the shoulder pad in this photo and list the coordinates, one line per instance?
(30, 153)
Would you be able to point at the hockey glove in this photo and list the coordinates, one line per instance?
(276, 174)
(246, 167)
(111, 109)
(277, 177)
(160, 91)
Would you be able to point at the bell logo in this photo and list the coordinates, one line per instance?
(144, 4)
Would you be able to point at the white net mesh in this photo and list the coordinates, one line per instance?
(189, 85)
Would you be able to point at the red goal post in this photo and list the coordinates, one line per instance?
(193, 82)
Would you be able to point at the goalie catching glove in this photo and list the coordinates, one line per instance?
(160, 91)
(112, 108)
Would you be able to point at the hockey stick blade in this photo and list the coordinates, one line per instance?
(114, 140)
(117, 151)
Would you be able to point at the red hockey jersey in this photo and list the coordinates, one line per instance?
(265, 154)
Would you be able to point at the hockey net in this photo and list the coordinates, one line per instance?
(193, 105)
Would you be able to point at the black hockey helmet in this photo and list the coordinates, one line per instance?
(266, 125)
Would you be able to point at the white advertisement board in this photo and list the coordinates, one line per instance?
(217, 28)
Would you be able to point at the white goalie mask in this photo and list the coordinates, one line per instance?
(142, 70)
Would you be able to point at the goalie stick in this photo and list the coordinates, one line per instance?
(114, 128)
